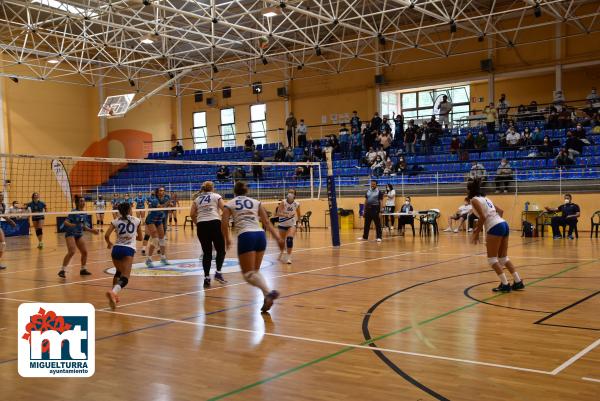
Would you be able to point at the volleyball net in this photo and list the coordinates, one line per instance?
(59, 179)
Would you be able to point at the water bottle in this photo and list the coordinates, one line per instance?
(526, 206)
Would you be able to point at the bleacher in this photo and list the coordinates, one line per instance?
(440, 167)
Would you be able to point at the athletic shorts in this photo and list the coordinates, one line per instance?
(37, 218)
(252, 241)
(153, 219)
(500, 230)
(74, 235)
(119, 252)
(284, 228)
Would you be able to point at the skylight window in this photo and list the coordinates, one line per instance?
(59, 5)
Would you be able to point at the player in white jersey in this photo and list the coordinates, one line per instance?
(129, 230)
(252, 240)
(100, 206)
(497, 231)
(288, 213)
(206, 212)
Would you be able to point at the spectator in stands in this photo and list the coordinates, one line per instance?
(377, 167)
(376, 122)
(477, 172)
(248, 144)
(333, 143)
(177, 150)
(317, 151)
(565, 117)
(398, 130)
(537, 137)
(563, 159)
(301, 172)
(401, 167)
(381, 153)
(222, 173)
(389, 167)
(552, 119)
(239, 173)
(558, 99)
(280, 154)
(370, 156)
(469, 143)
(593, 97)
(410, 137)
(289, 155)
(302, 131)
(461, 215)
(444, 109)
(257, 171)
(546, 149)
(291, 123)
(481, 141)
(513, 138)
(355, 121)
(573, 145)
(581, 134)
(356, 143)
(369, 136)
(345, 144)
(503, 108)
(454, 145)
(435, 130)
(504, 175)
(424, 141)
(526, 139)
(343, 130)
(569, 213)
(385, 126)
(385, 141)
(491, 116)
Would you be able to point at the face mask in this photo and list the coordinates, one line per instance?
(406, 202)
(290, 197)
(567, 201)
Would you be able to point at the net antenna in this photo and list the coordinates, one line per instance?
(116, 106)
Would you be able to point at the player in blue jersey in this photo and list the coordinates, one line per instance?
(140, 205)
(155, 224)
(37, 206)
(74, 226)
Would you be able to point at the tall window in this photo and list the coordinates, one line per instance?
(199, 130)
(421, 105)
(258, 123)
(228, 127)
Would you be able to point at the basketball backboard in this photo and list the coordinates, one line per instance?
(116, 106)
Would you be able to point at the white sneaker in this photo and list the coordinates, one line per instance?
(447, 230)
(378, 239)
(289, 260)
(470, 230)
(455, 230)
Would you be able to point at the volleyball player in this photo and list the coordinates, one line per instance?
(100, 206)
(114, 203)
(140, 205)
(252, 240)
(129, 230)
(289, 216)
(155, 225)
(74, 225)
(206, 212)
(497, 231)
(9, 221)
(173, 213)
(37, 206)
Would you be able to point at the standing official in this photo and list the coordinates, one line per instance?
(373, 206)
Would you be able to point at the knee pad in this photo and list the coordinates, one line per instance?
(289, 242)
(39, 231)
(123, 281)
(146, 237)
(117, 274)
(492, 261)
(503, 260)
(2, 246)
(162, 242)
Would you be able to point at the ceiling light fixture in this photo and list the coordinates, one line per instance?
(270, 12)
(53, 61)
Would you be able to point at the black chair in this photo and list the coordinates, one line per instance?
(305, 221)
(564, 230)
(595, 223)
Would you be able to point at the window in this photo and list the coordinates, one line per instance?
(199, 130)
(258, 123)
(421, 105)
(228, 127)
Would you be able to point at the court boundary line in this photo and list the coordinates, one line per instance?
(576, 357)
(591, 379)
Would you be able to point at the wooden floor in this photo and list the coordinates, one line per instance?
(407, 319)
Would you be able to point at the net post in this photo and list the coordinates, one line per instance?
(332, 200)
(312, 182)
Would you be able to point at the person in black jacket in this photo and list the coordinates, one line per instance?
(376, 122)
(573, 145)
(569, 213)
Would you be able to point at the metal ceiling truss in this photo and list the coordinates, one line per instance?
(231, 43)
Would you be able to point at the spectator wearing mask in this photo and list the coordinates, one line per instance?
(257, 171)
(410, 137)
(481, 142)
(291, 123)
(454, 145)
(537, 137)
(385, 126)
(526, 139)
(370, 156)
(343, 129)
(355, 121)
(333, 143)
(302, 132)
(573, 145)
(356, 143)
(289, 155)
(239, 173)
(425, 141)
(369, 136)
(435, 130)
(581, 134)
(248, 144)
(385, 140)
(317, 151)
(569, 211)
(461, 216)
(491, 116)
(223, 173)
(512, 138)
(546, 149)
(398, 130)
(377, 167)
(469, 143)
(390, 206)
(563, 159)
(280, 155)
(376, 122)
(477, 172)
(389, 167)
(444, 109)
(503, 108)
(407, 207)
(401, 167)
(504, 175)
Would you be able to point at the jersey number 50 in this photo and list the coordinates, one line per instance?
(245, 204)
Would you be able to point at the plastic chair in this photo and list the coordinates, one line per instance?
(305, 221)
(595, 223)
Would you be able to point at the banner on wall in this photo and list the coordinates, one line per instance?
(63, 178)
